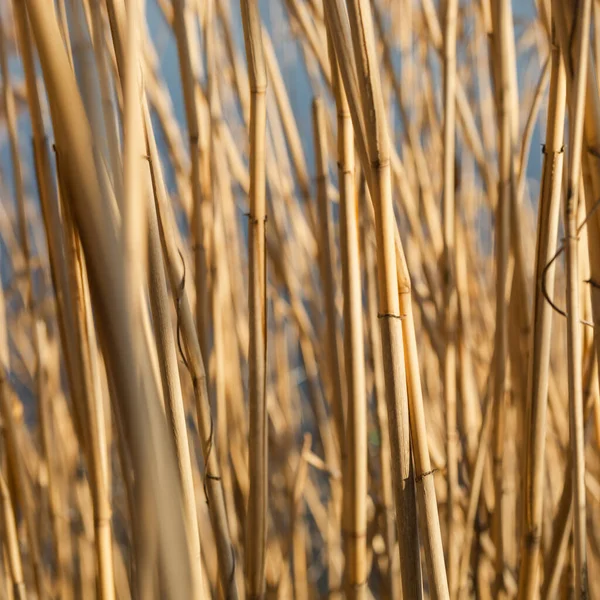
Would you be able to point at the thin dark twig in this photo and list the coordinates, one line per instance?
(556, 255)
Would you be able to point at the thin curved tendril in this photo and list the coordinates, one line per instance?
(557, 254)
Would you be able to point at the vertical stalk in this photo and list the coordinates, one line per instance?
(501, 17)
(450, 295)
(361, 27)
(391, 576)
(573, 195)
(355, 474)
(541, 341)
(11, 542)
(256, 531)
(345, 153)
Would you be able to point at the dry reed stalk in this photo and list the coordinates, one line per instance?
(187, 47)
(476, 483)
(298, 526)
(195, 364)
(501, 18)
(10, 115)
(101, 245)
(355, 465)
(574, 192)
(47, 194)
(88, 401)
(361, 27)
(450, 292)
(328, 264)
(21, 491)
(469, 393)
(391, 587)
(48, 444)
(539, 363)
(563, 21)
(175, 409)
(11, 542)
(434, 555)
(555, 560)
(258, 445)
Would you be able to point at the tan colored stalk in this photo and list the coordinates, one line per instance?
(48, 199)
(102, 246)
(539, 363)
(434, 555)
(501, 16)
(450, 294)
(298, 524)
(88, 403)
(21, 492)
(476, 482)
(108, 110)
(391, 587)
(361, 27)
(328, 264)
(187, 47)
(195, 364)
(256, 517)
(11, 542)
(563, 526)
(10, 115)
(573, 195)
(355, 467)
(175, 409)
(328, 261)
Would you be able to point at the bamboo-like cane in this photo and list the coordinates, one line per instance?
(256, 525)
(345, 174)
(22, 491)
(11, 542)
(298, 528)
(501, 16)
(101, 245)
(355, 468)
(195, 364)
(450, 294)
(172, 389)
(187, 45)
(361, 27)
(391, 587)
(542, 327)
(574, 193)
(9, 108)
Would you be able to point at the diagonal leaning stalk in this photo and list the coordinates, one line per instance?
(256, 516)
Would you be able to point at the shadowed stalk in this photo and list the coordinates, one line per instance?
(328, 262)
